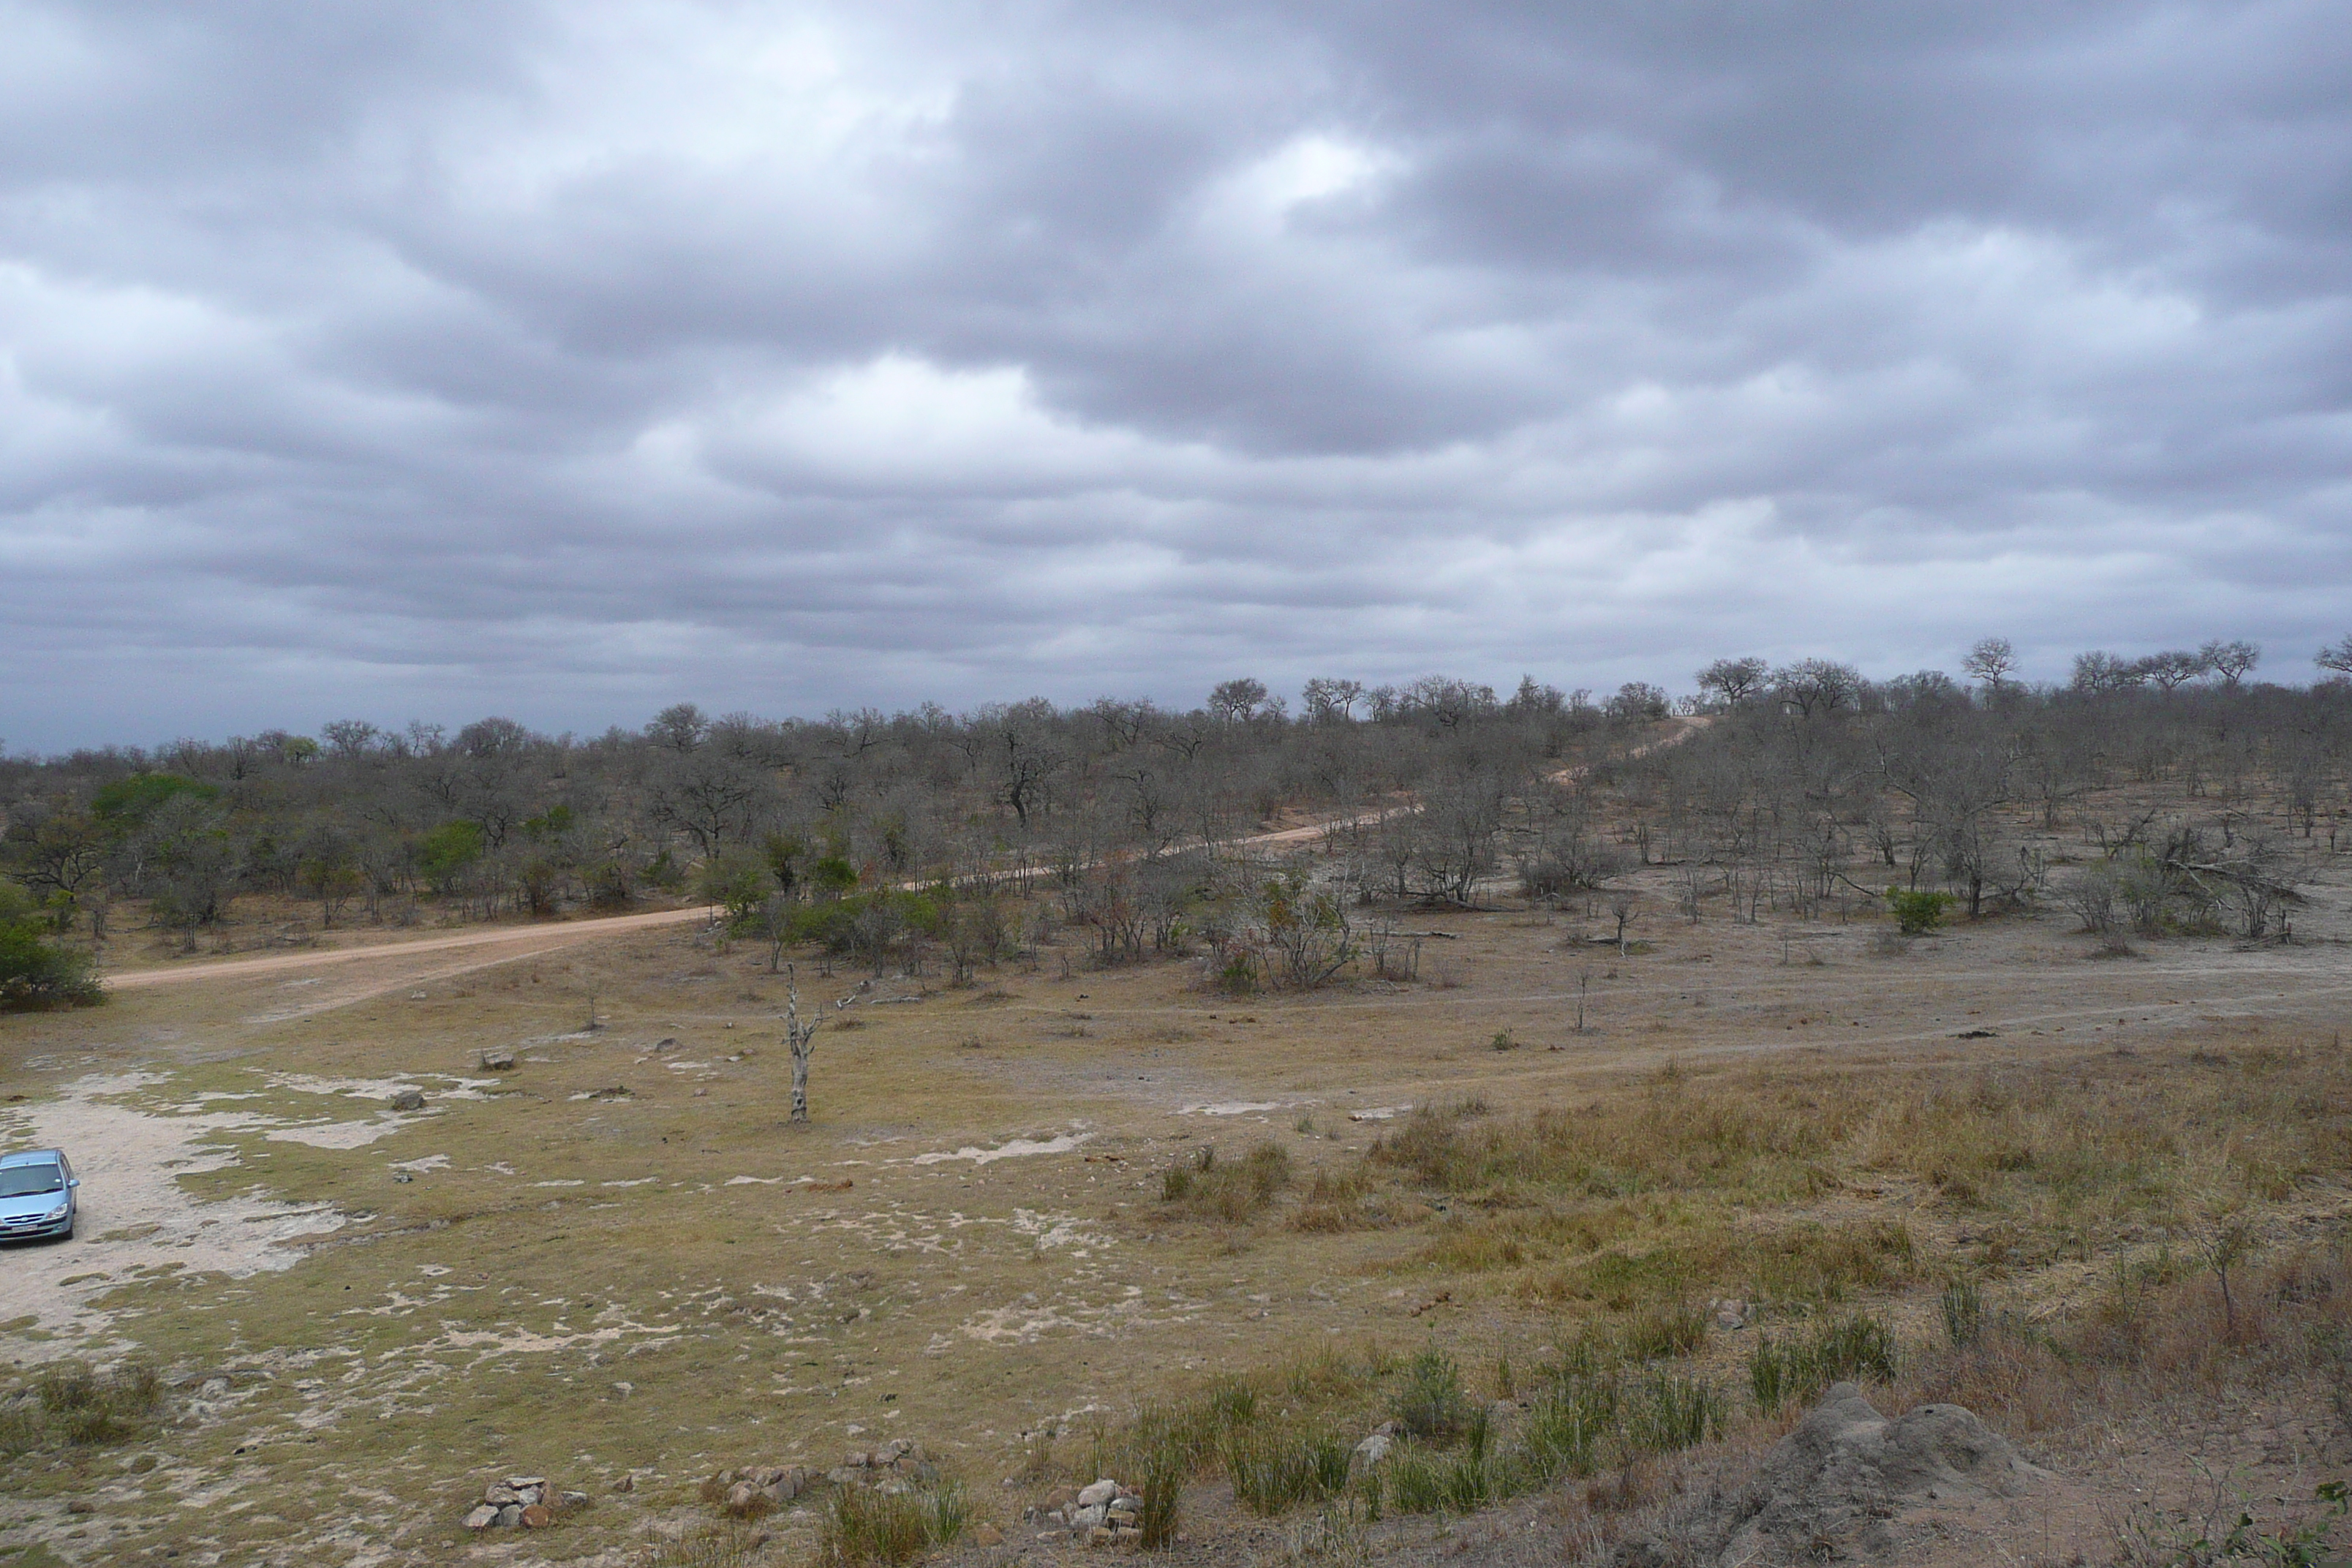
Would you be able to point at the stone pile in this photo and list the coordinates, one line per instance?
(896, 1466)
(755, 1489)
(1100, 1515)
(521, 1502)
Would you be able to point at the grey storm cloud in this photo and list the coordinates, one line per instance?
(565, 360)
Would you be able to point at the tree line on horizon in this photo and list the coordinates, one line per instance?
(865, 831)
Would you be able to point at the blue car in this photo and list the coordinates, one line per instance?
(37, 1195)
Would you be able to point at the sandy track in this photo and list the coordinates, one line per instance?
(516, 941)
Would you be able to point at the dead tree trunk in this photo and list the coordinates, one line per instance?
(801, 1038)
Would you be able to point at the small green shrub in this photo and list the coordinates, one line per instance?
(1917, 912)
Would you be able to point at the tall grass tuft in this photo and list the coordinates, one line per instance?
(1963, 1306)
(1859, 1346)
(74, 1405)
(1230, 1193)
(1665, 1414)
(865, 1527)
(1275, 1470)
(1430, 1404)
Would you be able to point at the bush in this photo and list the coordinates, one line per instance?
(35, 974)
(1918, 912)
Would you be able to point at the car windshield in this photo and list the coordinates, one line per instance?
(23, 1181)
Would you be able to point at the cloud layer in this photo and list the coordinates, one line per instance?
(563, 361)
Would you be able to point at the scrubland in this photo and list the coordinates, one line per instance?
(1581, 1189)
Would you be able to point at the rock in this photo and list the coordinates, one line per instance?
(482, 1518)
(745, 1496)
(1059, 1497)
(408, 1099)
(498, 1061)
(1088, 1516)
(668, 1045)
(1102, 1491)
(625, 1484)
(1100, 1535)
(214, 1388)
(1373, 1450)
(1731, 1314)
(1848, 1482)
(538, 1516)
(985, 1534)
(81, 1505)
(575, 1500)
(498, 1496)
(511, 1516)
(857, 1462)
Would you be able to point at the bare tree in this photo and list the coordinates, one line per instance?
(2175, 666)
(1734, 681)
(2232, 661)
(1332, 701)
(1993, 661)
(2337, 657)
(1236, 701)
(680, 727)
(801, 1037)
(1813, 686)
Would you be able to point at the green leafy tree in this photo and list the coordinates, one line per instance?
(446, 853)
(35, 972)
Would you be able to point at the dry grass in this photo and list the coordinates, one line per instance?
(1232, 1193)
(1815, 1139)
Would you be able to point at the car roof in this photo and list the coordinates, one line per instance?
(33, 1157)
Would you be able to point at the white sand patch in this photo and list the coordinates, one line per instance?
(633, 1182)
(1013, 1149)
(561, 1183)
(448, 1086)
(427, 1163)
(492, 1343)
(754, 1180)
(1379, 1114)
(1055, 1230)
(1230, 1108)
(337, 1134)
(129, 1162)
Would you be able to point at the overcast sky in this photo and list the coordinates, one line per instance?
(562, 361)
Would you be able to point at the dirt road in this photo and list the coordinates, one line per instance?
(512, 941)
